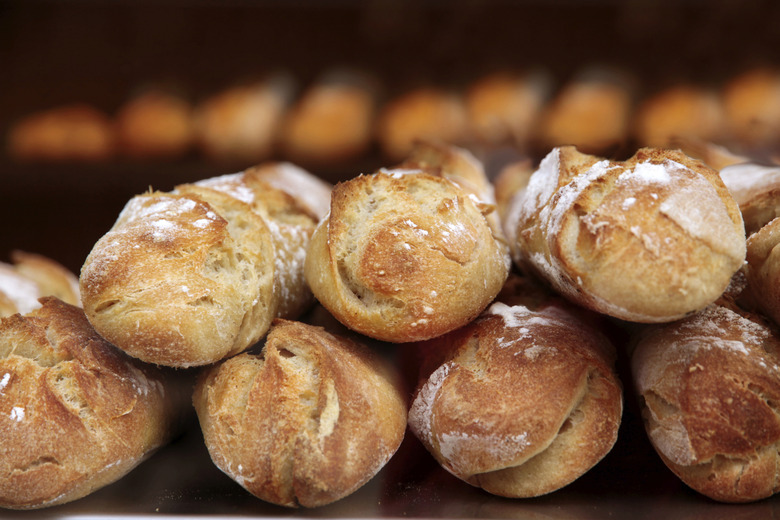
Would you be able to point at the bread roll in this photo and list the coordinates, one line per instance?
(756, 189)
(650, 239)
(763, 269)
(522, 401)
(409, 254)
(332, 121)
(592, 112)
(505, 108)
(75, 413)
(713, 155)
(306, 422)
(680, 111)
(30, 277)
(155, 124)
(241, 123)
(73, 132)
(189, 277)
(709, 385)
(751, 101)
(511, 179)
(425, 113)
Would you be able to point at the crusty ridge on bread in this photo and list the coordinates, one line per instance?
(306, 422)
(189, 277)
(75, 413)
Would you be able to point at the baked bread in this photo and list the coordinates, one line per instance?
(332, 121)
(713, 155)
(592, 112)
(763, 269)
(75, 413)
(241, 123)
(511, 179)
(709, 385)
(155, 124)
(751, 102)
(421, 114)
(410, 253)
(73, 132)
(650, 239)
(522, 401)
(306, 422)
(756, 189)
(31, 276)
(189, 277)
(680, 111)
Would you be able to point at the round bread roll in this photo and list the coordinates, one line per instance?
(751, 101)
(709, 385)
(756, 189)
(409, 254)
(650, 239)
(189, 277)
(75, 413)
(522, 401)
(306, 422)
(29, 278)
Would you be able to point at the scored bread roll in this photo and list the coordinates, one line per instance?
(650, 239)
(763, 269)
(306, 422)
(31, 276)
(522, 401)
(756, 189)
(75, 413)
(189, 277)
(709, 385)
(411, 253)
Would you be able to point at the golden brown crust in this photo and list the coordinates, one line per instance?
(665, 222)
(406, 255)
(307, 422)
(709, 386)
(189, 277)
(520, 402)
(763, 269)
(75, 413)
(756, 189)
(30, 277)
(751, 101)
(155, 124)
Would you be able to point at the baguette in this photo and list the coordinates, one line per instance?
(650, 239)
(306, 422)
(75, 413)
(410, 253)
(709, 385)
(522, 401)
(189, 277)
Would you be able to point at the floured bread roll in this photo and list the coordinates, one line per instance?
(75, 413)
(31, 277)
(756, 189)
(522, 401)
(189, 277)
(411, 253)
(306, 422)
(650, 239)
(763, 269)
(709, 386)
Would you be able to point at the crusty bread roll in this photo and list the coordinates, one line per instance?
(424, 113)
(75, 413)
(504, 107)
(592, 112)
(30, 277)
(511, 179)
(650, 239)
(306, 422)
(756, 189)
(241, 123)
(155, 124)
(763, 269)
(189, 277)
(713, 155)
(73, 132)
(681, 111)
(522, 401)
(751, 101)
(410, 253)
(709, 385)
(332, 121)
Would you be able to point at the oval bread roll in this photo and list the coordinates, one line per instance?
(763, 269)
(709, 387)
(411, 253)
(75, 413)
(189, 277)
(756, 189)
(522, 401)
(29, 278)
(650, 239)
(307, 422)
